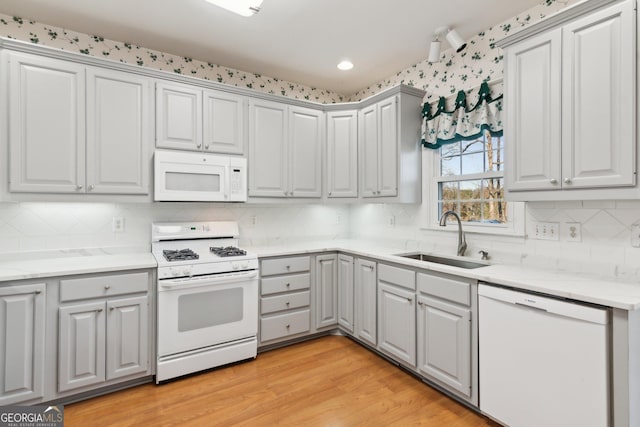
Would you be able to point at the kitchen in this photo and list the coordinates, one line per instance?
(78, 225)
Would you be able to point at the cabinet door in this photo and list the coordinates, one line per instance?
(326, 306)
(598, 83)
(444, 343)
(368, 142)
(345, 292)
(22, 323)
(127, 336)
(224, 122)
(342, 154)
(397, 320)
(533, 121)
(268, 164)
(305, 152)
(178, 116)
(365, 302)
(46, 125)
(118, 110)
(388, 147)
(81, 347)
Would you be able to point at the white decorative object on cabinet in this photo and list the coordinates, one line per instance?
(285, 144)
(365, 302)
(22, 346)
(342, 154)
(345, 292)
(571, 105)
(62, 142)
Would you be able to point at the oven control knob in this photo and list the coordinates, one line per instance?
(235, 266)
(186, 272)
(173, 272)
(245, 265)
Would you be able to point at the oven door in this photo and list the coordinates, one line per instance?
(199, 312)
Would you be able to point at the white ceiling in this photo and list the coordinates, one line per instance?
(295, 40)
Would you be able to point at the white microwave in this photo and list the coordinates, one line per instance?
(181, 176)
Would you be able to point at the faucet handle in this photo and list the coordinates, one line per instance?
(485, 254)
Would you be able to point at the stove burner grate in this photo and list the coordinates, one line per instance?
(228, 251)
(179, 255)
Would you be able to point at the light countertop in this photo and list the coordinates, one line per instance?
(607, 291)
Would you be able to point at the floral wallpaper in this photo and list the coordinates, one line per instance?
(26, 30)
(481, 60)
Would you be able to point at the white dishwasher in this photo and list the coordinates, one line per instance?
(543, 361)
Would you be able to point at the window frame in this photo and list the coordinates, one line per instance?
(431, 178)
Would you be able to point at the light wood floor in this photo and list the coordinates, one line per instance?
(330, 381)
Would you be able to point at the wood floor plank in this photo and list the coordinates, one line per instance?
(330, 381)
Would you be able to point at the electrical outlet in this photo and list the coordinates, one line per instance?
(392, 221)
(546, 231)
(117, 224)
(573, 231)
(635, 235)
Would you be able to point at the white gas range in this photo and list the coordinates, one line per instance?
(207, 297)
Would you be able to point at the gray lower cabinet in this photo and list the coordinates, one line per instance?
(365, 302)
(446, 323)
(345, 292)
(22, 343)
(285, 298)
(106, 337)
(326, 304)
(397, 313)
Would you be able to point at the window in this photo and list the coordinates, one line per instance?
(468, 178)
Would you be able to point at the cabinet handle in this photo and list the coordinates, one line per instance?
(91, 187)
(567, 180)
(370, 267)
(38, 292)
(78, 187)
(553, 181)
(107, 286)
(99, 310)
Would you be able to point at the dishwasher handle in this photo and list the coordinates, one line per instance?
(550, 305)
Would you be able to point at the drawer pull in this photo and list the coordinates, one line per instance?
(107, 286)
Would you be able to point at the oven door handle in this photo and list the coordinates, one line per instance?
(209, 280)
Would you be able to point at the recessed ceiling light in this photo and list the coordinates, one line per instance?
(345, 65)
(241, 7)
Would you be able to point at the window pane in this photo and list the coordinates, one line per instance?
(474, 146)
(494, 212)
(449, 191)
(472, 163)
(494, 160)
(470, 190)
(447, 206)
(492, 188)
(450, 150)
(450, 166)
(471, 211)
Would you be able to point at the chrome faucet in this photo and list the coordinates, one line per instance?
(462, 243)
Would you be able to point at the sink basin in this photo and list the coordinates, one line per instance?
(455, 262)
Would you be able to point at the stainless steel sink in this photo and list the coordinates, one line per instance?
(455, 262)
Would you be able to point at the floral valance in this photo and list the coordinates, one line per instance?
(445, 127)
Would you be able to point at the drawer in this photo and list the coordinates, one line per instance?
(275, 285)
(397, 276)
(284, 325)
(284, 302)
(449, 289)
(103, 286)
(270, 267)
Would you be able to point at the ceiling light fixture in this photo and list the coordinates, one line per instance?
(345, 65)
(241, 7)
(452, 37)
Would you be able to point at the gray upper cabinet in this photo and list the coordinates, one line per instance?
(22, 346)
(570, 97)
(342, 154)
(191, 118)
(285, 150)
(77, 129)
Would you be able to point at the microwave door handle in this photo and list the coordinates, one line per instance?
(227, 278)
(227, 182)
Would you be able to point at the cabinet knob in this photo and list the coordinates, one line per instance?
(288, 285)
(553, 181)
(206, 147)
(409, 299)
(287, 303)
(329, 192)
(111, 308)
(286, 192)
(288, 326)
(420, 303)
(91, 187)
(107, 286)
(99, 310)
(567, 180)
(288, 267)
(78, 187)
(199, 145)
(38, 292)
